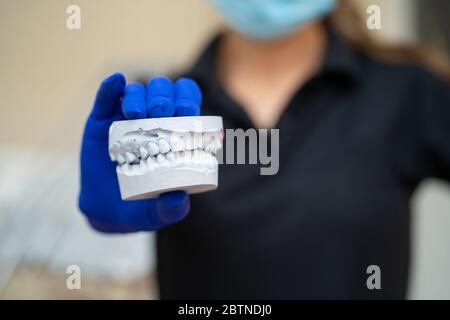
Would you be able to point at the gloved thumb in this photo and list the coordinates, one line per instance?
(172, 207)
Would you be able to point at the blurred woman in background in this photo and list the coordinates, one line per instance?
(360, 127)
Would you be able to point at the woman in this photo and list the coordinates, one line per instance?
(357, 135)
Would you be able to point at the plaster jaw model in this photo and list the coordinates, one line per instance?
(165, 154)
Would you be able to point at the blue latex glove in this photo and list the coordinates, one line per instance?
(99, 197)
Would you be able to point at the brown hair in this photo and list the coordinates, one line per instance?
(347, 21)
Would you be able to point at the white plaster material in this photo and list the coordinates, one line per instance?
(165, 154)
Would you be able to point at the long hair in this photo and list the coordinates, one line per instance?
(347, 21)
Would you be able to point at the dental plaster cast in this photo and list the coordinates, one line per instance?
(158, 155)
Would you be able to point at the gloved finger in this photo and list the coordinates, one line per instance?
(172, 207)
(102, 227)
(143, 215)
(107, 101)
(115, 227)
(160, 98)
(188, 98)
(134, 105)
(119, 216)
(167, 209)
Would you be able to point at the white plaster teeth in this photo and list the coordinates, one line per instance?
(210, 160)
(207, 139)
(153, 148)
(171, 156)
(125, 167)
(178, 157)
(197, 156)
(143, 153)
(164, 146)
(211, 142)
(131, 157)
(207, 136)
(210, 147)
(161, 159)
(150, 162)
(187, 157)
(136, 156)
(188, 142)
(117, 145)
(152, 156)
(176, 142)
(217, 144)
(120, 159)
(198, 140)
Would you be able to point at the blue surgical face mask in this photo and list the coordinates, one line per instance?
(271, 19)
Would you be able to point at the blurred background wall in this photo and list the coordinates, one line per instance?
(49, 76)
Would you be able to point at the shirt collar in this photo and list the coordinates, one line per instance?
(340, 62)
(340, 59)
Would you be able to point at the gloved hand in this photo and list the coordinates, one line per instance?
(99, 197)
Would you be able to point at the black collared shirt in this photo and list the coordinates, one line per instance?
(355, 142)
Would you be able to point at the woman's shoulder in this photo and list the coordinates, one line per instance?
(407, 81)
(411, 73)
